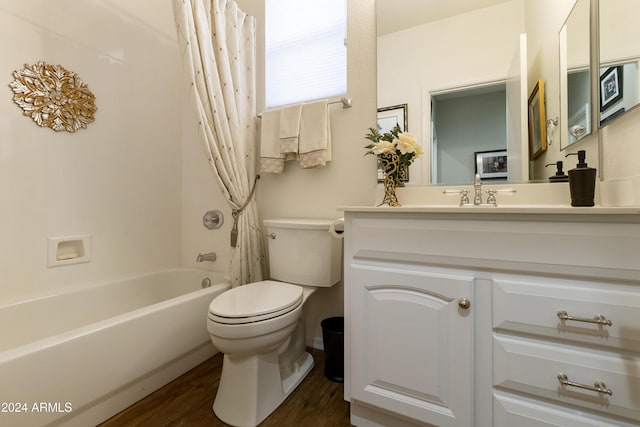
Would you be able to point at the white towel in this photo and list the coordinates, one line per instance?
(314, 146)
(290, 129)
(271, 158)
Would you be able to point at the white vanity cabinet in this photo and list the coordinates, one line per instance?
(492, 317)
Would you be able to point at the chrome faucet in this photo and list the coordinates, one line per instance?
(211, 256)
(477, 186)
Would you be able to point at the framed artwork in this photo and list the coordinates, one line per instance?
(388, 118)
(491, 164)
(610, 87)
(537, 122)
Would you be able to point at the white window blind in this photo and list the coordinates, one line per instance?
(306, 56)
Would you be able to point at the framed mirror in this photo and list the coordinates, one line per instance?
(619, 77)
(575, 71)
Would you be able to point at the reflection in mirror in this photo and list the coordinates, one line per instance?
(463, 122)
(575, 85)
(429, 47)
(619, 57)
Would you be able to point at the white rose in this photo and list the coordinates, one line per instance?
(382, 147)
(407, 144)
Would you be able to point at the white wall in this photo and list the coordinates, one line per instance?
(119, 179)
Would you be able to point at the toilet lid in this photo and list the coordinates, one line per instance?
(254, 302)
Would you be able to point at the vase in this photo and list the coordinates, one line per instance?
(390, 166)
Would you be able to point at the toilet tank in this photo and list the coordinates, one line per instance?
(302, 251)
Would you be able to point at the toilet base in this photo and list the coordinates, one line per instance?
(252, 387)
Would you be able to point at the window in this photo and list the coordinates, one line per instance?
(306, 56)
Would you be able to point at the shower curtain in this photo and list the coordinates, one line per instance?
(217, 44)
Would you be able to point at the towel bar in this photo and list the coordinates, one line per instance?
(346, 103)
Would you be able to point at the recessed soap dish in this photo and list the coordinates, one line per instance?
(68, 250)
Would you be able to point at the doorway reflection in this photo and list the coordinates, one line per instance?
(464, 122)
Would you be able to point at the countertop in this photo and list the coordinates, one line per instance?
(483, 210)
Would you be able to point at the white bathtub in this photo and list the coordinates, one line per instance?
(79, 357)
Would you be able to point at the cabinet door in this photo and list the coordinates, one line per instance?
(412, 343)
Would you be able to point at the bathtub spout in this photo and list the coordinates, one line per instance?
(211, 256)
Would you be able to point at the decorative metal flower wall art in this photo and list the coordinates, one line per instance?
(53, 96)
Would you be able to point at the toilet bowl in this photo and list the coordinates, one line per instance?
(259, 326)
(255, 318)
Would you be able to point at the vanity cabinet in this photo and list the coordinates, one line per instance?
(492, 317)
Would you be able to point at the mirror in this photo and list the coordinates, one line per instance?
(575, 84)
(426, 48)
(619, 33)
(429, 48)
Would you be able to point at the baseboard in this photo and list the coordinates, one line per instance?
(316, 343)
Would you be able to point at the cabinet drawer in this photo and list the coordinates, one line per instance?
(533, 367)
(512, 411)
(531, 305)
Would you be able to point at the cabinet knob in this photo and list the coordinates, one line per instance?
(464, 303)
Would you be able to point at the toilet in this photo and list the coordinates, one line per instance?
(259, 328)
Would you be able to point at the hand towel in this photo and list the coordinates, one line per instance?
(290, 129)
(271, 158)
(314, 146)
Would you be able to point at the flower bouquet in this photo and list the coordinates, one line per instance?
(396, 150)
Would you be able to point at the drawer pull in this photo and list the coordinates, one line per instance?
(598, 386)
(598, 318)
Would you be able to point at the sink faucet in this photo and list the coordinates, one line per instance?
(211, 256)
(477, 186)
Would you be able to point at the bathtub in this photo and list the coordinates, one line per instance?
(79, 357)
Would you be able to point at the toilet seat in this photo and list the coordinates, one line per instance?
(255, 302)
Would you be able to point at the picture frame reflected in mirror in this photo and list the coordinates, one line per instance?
(610, 87)
(537, 122)
(491, 164)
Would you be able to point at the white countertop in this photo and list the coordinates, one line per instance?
(483, 210)
(547, 199)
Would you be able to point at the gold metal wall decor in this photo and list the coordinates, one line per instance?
(53, 96)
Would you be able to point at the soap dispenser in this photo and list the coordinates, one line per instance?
(582, 181)
(559, 176)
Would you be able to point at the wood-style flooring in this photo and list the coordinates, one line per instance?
(187, 401)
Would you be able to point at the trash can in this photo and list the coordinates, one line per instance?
(333, 341)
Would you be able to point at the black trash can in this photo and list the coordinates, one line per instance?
(333, 341)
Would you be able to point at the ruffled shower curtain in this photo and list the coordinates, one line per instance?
(217, 44)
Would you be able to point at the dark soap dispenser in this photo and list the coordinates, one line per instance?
(559, 176)
(582, 181)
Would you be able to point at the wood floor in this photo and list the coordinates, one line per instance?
(187, 401)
